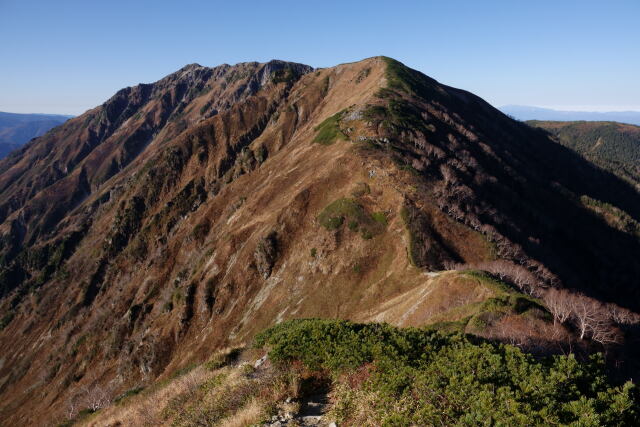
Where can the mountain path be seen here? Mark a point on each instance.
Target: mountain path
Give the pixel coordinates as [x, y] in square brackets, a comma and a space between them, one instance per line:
[311, 413]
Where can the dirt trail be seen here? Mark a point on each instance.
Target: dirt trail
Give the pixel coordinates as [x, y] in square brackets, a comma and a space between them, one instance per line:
[312, 412]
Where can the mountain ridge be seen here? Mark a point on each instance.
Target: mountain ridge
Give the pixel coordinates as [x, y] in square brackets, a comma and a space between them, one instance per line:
[611, 145]
[188, 214]
[523, 112]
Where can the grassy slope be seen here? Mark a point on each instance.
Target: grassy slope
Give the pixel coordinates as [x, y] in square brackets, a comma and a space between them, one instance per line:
[226, 390]
[475, 303]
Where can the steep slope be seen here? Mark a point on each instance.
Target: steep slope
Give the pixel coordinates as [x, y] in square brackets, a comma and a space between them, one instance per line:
[612, 146]
[186, 215]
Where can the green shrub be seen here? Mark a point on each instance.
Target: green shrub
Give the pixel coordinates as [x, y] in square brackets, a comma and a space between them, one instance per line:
[426, 377]
[614, 216]
[285, 75]
[201, 230]
[380, 217]
[363, 75]
[329, 130]
[358, 219]
[131, 392]
[184, 371]
[325, 86]
[222, 359]
[334, 214]
[205, 107]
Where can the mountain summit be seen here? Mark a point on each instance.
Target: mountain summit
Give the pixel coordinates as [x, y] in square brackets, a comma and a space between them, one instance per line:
[188, 214]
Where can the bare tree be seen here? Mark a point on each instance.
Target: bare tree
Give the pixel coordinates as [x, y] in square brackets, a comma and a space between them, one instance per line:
[448, 173]
[621, 315]
[96, 396]
[505, 270]
[593, 318]
[92, 395]
[558, 302]
[586, 313]
[72, 408]
[605, 332]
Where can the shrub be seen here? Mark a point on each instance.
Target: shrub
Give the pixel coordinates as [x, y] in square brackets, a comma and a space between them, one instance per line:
[363, 75]
[285, 75]
[223, 358]
[380, 217]
[425, 377]
[131, 392]
[358, 219]
[266, 253]
[201, 230]
[329, 130]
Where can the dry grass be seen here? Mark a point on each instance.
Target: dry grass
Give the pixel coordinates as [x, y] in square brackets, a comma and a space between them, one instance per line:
[229, 395]
[251, 413]
[146, 408]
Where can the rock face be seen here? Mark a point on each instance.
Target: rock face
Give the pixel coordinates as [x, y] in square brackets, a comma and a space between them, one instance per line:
[185, 215]
[265, 254]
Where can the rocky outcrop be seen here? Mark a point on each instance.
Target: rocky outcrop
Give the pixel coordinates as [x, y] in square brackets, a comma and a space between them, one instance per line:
[266, 254]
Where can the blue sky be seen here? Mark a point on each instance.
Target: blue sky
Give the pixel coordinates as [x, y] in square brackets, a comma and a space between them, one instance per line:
[68, 56]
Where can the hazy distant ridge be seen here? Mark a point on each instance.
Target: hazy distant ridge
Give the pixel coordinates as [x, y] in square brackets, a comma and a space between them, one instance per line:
[17, 129]
[522, 112]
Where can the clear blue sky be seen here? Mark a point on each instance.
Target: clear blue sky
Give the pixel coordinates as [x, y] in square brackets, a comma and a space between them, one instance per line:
[68, 56]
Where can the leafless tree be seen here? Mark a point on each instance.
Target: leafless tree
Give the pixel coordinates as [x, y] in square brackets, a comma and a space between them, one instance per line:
[96, 396]
[505, 270]
[92, 395]
[592, 318]
[586, 314]
[72, 408]
[559, 304]
[621, 315]
[448, 173]
[451, 265]
[605, 332]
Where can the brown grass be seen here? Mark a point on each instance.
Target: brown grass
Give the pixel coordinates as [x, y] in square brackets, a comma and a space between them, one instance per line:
[233, 395]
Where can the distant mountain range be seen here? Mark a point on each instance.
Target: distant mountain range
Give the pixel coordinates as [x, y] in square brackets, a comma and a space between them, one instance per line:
[523, 112]
[16, 129]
